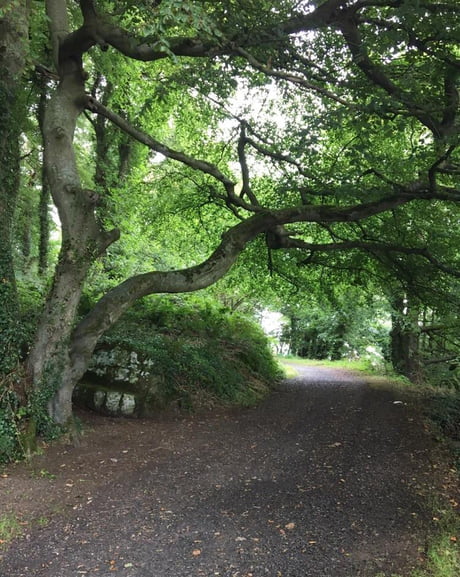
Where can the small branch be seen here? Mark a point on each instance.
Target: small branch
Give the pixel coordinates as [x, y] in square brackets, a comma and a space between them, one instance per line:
[378, 77]
[436, 328]
[278, 156]
[246, 188]
[447, 359]
[435, 167]
[293, 79]
[452, 100]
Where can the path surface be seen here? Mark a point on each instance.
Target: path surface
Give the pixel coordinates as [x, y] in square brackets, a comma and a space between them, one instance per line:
[324, 479]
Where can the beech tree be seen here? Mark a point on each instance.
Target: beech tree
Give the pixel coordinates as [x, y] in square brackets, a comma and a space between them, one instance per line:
[368, 142]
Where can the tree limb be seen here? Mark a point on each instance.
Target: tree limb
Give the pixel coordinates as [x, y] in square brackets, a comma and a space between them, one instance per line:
[117, 300]
[294, 79]
[369, 247]
[378, 77]
[194, 163]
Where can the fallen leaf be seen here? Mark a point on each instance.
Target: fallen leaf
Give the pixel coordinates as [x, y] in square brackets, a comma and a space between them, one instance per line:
[289, 526]
[196, 552]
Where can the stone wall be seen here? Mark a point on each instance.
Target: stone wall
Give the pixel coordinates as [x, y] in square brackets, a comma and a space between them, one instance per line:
[121, 382]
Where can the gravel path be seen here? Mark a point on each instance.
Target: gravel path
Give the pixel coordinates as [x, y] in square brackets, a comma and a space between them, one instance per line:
[326, 478]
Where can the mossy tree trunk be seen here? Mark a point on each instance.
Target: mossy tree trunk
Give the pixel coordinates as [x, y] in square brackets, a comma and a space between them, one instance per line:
[44, 201]
[83, 239]
[13, 48]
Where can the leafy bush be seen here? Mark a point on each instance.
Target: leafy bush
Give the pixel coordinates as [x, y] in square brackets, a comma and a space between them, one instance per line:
[201, 350]
[444, 410]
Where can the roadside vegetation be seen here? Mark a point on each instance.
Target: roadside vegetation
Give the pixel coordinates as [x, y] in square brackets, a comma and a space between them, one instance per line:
[204, 354]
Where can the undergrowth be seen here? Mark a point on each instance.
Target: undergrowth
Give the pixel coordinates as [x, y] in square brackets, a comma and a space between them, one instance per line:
[443, 553]
[203, 352]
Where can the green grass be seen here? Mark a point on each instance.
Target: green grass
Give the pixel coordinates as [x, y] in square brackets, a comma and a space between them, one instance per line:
[443, 555]
[10, 528]
[362, 365]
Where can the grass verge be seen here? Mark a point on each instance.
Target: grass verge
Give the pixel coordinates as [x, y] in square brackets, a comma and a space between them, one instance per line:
[10, 528]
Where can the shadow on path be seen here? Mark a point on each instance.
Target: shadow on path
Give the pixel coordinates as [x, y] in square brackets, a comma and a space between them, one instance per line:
[325, 478]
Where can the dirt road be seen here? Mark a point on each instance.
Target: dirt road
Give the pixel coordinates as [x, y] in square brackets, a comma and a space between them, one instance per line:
[326, 478]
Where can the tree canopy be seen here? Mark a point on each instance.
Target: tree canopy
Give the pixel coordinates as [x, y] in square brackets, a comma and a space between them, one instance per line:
[315, 140]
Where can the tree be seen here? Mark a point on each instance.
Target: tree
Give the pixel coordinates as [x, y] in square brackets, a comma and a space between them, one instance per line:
[368, 92]
[13, 51]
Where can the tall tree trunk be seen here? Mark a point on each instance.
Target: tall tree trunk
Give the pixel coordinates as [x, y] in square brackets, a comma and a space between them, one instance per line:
[13, 47]
[83, 239]
[405, 336]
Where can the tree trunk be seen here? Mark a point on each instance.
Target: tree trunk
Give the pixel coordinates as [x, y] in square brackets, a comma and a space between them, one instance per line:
[13, 46]
[83, 239]
[405, 336]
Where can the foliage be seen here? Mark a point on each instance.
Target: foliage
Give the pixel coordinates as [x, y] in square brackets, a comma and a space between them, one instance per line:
[443, 407]
[24, 417]
[319, 140]
[9, 434]
[347, 325]
[200, 349]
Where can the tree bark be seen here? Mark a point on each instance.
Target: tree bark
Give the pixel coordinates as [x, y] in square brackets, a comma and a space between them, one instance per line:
[43, 206]
[13, 49]
[405, 336]
[83, 239]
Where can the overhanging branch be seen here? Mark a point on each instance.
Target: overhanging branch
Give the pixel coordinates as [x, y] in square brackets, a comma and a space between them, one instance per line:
[233, 242]
[294, 79]
[194, 163]
[372, 247]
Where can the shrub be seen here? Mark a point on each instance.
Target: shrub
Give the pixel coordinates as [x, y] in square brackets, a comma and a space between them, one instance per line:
[200, 349]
